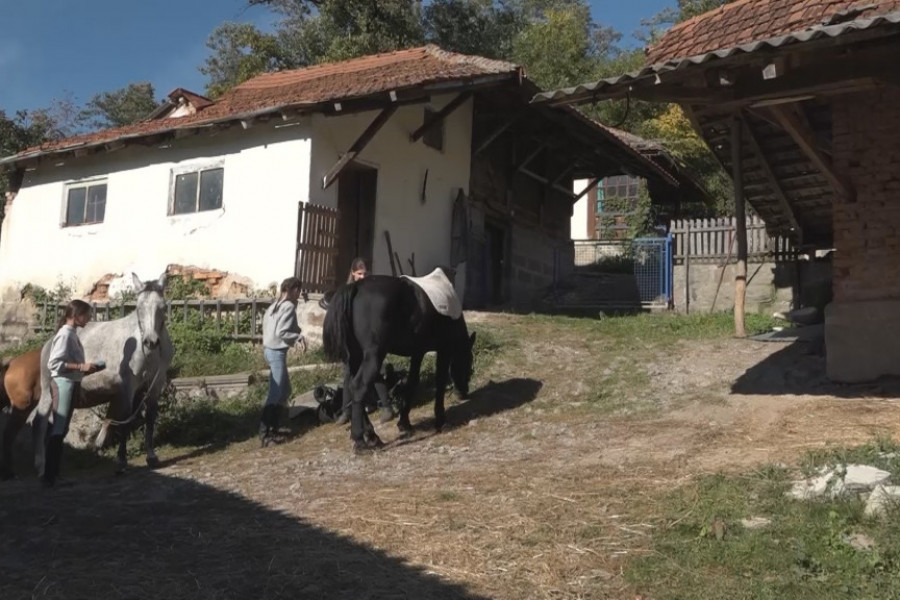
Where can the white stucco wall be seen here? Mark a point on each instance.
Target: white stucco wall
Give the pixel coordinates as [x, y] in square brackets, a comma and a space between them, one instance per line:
[414, 226]
[266, 173]
[580, 212]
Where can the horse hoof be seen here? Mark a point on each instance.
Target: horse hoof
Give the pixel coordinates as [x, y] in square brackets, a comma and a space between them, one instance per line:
[360, 448]
[153, 462]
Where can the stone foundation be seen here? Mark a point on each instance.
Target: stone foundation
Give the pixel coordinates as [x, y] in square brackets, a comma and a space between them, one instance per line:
[862, 340]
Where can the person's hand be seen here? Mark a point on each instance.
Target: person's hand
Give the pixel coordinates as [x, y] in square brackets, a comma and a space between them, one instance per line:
[303, 344]
[88, 367]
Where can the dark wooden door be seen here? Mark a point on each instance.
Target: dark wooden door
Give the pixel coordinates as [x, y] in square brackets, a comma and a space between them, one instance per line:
[357, 188]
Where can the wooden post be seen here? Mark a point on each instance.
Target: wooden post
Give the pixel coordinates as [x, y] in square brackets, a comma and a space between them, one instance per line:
[740, 229]
[687, 268]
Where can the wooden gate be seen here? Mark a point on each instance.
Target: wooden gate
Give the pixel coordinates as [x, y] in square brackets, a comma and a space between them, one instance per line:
[317, 247]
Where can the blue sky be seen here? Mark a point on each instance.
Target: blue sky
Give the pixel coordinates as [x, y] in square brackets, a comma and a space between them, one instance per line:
[56, 48]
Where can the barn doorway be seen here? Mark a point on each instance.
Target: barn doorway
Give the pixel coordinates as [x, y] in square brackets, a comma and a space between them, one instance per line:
[357, 187]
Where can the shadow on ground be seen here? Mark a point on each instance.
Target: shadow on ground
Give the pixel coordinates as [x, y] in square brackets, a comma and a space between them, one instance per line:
[799, 369]
[490, 399]
[147, 535]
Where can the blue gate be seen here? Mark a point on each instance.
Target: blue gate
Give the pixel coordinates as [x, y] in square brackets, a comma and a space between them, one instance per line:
[653, 269]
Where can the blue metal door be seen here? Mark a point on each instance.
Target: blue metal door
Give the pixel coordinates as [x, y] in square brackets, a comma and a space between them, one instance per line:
[653, 269]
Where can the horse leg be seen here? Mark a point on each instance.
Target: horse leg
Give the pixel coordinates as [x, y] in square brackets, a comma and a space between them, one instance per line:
[361, 430]
[150, 424]
[441, 375]
[17, 418]
[409, 393]
[126, 406]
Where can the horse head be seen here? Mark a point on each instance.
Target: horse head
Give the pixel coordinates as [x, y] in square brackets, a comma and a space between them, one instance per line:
[151, 309]
[461, 363]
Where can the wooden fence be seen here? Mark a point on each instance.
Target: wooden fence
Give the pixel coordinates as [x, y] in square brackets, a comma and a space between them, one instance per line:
[317, 247]
[714, 240]
[239, 319]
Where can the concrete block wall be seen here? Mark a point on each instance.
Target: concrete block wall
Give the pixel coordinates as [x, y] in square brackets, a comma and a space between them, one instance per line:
[770, 287]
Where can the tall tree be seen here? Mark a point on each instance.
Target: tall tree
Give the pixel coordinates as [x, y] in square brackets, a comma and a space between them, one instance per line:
[21, 131]
[119, 107]
[240, 51]
[479, 27]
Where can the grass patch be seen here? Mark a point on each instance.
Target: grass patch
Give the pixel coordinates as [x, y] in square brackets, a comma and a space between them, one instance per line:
[803, 553]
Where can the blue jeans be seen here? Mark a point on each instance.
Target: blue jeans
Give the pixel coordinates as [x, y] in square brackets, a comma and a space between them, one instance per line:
[279, 380]
[62, 393]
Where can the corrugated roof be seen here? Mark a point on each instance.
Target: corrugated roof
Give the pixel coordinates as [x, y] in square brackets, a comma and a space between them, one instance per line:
[308, 87]
[604, 86]
[743, 21]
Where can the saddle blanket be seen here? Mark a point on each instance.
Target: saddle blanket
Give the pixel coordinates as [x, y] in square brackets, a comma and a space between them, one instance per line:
[439, 290]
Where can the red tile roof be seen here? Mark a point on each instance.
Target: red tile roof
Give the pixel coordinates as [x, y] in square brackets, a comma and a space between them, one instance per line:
[751, 20]
[324, 83]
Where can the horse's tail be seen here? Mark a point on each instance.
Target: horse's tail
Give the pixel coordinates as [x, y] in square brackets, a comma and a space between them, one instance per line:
[4, 397]
[337, 331]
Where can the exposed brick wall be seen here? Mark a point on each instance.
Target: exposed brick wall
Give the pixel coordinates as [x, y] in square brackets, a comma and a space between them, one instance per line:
[866, 130]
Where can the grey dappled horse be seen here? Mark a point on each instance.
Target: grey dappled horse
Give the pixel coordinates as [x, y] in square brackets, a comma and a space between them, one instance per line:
[137, 351]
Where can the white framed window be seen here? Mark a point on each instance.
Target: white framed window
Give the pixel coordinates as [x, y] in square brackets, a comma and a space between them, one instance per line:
[196, 188]
[85, 203]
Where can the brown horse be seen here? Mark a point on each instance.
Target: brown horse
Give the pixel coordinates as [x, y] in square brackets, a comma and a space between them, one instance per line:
[20, 388]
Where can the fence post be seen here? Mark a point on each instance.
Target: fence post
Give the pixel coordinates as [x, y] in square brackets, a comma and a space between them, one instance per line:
[253, 319]
[687, 269]
[218, 314]
[237, 313]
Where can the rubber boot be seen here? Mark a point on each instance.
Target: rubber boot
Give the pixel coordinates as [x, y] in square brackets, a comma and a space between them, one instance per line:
[265, 425]
[52, 459]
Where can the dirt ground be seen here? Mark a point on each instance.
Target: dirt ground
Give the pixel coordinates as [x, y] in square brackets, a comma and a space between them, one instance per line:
[532, 492]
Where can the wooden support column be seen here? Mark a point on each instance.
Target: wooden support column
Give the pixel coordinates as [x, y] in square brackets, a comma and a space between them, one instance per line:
[740, 228]
[332, 174]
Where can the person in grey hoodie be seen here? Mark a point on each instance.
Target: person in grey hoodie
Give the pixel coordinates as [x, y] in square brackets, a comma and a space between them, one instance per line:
[67, 367]
[280, 332]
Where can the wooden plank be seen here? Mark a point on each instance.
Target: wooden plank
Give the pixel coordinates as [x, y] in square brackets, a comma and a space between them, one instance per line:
[772, 179]
[440, 116]
[805, 139]
[358, 146]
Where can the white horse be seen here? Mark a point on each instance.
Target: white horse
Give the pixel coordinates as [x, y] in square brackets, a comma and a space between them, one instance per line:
[137, 351]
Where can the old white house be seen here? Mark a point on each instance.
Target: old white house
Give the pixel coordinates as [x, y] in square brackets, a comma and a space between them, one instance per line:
[436, 153]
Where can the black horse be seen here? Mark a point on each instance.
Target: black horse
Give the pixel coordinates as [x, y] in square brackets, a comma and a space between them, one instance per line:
[379, 315]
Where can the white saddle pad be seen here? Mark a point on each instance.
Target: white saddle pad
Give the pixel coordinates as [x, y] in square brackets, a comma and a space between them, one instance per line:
[440, 291]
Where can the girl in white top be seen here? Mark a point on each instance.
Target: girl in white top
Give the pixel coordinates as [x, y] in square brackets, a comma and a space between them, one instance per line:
[67, 367]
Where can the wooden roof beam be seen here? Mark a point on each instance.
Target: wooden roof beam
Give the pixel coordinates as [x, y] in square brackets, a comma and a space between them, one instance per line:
[498, 132]
[358, 146]
[440, 116]
[804, 138]
[773, 181]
